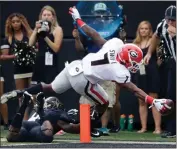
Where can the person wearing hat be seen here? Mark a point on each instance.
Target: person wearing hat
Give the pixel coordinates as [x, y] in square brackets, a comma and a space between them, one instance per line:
[100, 9]
[166, 31]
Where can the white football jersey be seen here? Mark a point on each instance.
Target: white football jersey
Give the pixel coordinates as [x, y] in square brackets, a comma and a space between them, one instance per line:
[103, 65]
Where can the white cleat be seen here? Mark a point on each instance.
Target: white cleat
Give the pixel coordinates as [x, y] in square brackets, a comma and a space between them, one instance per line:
[10, 95]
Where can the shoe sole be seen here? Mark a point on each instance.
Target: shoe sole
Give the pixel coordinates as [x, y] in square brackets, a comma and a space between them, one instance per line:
[7, 96]
[171, 136]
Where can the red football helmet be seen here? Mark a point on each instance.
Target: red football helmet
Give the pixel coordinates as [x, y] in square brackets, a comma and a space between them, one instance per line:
[131, 56]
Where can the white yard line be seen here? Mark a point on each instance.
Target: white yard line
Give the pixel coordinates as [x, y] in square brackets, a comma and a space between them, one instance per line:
[95, 141]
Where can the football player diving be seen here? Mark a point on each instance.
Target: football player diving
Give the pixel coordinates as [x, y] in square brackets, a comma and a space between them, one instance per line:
[113, 62]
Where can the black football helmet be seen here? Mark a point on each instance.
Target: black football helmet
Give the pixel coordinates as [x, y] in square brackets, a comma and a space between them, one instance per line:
[53, 103]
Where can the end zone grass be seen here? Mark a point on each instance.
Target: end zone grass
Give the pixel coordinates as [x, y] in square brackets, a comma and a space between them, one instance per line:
[121, 136]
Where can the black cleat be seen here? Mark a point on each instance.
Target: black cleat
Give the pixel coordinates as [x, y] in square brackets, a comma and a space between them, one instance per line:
[96, 133]
[40, 98]
[115, 129]
[27, 98]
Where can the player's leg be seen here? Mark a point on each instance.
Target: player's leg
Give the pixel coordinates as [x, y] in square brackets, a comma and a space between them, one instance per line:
[16, 133]
[116, 112]
[59, 85]
[96, 94]
[19, 93]
[109, 87]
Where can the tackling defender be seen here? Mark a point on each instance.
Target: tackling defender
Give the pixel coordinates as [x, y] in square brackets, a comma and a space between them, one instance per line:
[45, 122]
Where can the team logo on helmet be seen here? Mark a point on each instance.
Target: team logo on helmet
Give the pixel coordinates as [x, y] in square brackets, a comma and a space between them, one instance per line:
[133, 54]
[52, 102]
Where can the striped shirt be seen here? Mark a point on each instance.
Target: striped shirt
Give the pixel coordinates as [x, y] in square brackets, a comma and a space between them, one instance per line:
[170, 43]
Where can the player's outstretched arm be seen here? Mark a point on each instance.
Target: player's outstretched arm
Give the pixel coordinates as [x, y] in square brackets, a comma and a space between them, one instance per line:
[68, 127]
[137, 91]
[92, 33]
[164, 106]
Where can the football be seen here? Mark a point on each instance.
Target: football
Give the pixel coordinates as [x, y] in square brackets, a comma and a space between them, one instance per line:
[168, 107]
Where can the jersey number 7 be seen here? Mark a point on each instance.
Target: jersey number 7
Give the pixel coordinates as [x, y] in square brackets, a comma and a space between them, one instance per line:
[101, 61]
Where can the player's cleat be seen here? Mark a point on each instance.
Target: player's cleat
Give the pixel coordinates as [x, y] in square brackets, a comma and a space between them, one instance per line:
[96, 133]
[27, 98]
[164, 106]
[40, 100]
[10, 95]
[115, 129]
[104, 131]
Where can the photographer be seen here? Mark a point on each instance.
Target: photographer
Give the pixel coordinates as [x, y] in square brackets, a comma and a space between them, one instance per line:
[48, 34]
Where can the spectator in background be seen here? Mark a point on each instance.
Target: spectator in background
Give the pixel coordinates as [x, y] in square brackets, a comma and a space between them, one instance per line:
[17, 33]
[148, 77]
[46, 65]
[3, 107]
[166, 30]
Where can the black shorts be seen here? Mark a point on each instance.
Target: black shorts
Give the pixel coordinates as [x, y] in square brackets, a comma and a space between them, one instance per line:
[46, 74]
[150, 82]
[23, 69]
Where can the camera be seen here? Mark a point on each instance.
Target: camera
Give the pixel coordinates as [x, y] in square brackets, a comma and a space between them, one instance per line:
[45, 28]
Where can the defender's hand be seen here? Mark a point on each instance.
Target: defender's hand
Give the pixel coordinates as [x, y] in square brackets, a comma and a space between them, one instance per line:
[74, 13]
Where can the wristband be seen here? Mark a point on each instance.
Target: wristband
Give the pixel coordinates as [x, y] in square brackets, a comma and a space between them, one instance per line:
[149, 99]
[80, 23]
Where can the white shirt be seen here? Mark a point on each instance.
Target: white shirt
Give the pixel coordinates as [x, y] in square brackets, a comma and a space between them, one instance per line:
[103, 65]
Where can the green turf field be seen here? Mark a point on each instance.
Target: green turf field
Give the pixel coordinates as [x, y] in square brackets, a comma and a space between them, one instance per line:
[121, 136]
